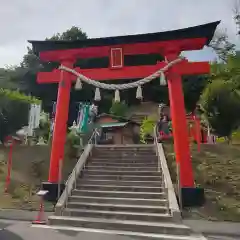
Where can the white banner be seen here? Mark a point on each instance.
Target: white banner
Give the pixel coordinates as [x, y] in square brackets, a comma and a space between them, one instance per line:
[34, 118]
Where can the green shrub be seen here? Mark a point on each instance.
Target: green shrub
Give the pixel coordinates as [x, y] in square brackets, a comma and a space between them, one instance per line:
[147, 128]
[119, 109]
[14, 111]
[220, 102]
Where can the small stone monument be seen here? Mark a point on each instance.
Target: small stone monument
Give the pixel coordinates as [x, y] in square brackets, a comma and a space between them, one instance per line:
[41, 141]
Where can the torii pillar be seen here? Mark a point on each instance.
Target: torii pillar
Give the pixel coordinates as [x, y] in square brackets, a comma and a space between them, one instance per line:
[59, 132]
[190, 194]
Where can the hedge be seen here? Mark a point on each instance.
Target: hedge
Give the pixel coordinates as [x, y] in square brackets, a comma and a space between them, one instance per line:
[14, 110]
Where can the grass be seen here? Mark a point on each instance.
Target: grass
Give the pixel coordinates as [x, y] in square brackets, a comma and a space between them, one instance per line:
[217, 170]
[30, 167]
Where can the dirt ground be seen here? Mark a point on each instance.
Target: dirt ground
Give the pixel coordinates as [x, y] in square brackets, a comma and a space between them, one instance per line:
[30, 166]
[217, 170]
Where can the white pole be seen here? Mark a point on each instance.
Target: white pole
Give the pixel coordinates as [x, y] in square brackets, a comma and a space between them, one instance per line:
[60, 177]
[30, 122]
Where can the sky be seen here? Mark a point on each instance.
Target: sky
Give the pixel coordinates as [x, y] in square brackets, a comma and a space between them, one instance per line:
[22, 20]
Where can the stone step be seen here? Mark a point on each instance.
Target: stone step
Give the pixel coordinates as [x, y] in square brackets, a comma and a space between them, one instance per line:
[123, 194]
[119, 182]
[132, 235]
[121, 153]
[125, 161]
[118, 207]
[119, 200]
[120, 156]
[88, 176]
[121, 168]
[121, 215]
[114, 155]
[122, 164]
[123, 149]
[125, 225]
[118, 188]
[121, 173]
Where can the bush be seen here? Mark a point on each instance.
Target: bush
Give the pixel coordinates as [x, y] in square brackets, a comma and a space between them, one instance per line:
[14, 111]
[44, 127]
[119, 109]
[147, 128]
[221, 105]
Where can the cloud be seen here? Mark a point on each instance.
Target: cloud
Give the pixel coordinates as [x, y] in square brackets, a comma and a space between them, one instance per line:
[36, 20]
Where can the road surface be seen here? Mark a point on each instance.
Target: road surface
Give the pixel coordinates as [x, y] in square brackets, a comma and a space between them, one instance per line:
[22, 230]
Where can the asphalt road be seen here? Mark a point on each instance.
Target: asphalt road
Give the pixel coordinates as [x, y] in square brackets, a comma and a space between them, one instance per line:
[19, 230]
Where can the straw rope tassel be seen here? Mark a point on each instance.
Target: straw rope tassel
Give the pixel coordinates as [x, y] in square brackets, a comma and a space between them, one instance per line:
[163, 79]
[78, 85]
[97, 96]
[117, 96]
[139, 94]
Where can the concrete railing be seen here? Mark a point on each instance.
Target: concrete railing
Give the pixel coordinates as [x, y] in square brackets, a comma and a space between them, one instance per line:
[172, 199]
[173, 206]
[72, 180]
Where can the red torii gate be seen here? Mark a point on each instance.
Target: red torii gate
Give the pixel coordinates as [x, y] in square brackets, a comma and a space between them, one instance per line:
[168, 44]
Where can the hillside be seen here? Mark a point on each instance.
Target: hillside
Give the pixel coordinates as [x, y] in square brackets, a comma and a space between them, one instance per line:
[217, 170]
[29, 169]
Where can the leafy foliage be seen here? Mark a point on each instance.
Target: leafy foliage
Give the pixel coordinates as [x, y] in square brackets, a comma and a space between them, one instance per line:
[44, 127]
[237, 15]
[72, 34]
[221, 105]
[31, 64]
[193, 87]
[14, 109]
[147, 128]
[221, 45]
[119, 109]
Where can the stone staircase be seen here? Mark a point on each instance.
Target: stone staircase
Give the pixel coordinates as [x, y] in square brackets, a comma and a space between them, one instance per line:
[121, 191]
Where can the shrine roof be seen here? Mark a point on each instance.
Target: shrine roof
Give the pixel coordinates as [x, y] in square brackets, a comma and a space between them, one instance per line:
[200, 31]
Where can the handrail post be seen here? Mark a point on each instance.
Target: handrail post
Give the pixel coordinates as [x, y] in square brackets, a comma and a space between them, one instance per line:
[75, 178]
[179, 187]
[167, 185]
[60, 177]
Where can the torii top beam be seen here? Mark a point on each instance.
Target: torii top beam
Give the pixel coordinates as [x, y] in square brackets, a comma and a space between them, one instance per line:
[124, 53]
[192, 38]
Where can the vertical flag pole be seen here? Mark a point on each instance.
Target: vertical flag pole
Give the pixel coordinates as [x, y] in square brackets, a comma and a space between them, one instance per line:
[8, 178]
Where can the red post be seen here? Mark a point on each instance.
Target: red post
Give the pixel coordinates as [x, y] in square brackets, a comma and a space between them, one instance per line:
[60, 123]
[40, 216]
[9, 163]
[180, 131]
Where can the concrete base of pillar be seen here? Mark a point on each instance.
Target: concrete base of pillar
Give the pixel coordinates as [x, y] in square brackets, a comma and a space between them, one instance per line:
[52, 188]
[193, 197]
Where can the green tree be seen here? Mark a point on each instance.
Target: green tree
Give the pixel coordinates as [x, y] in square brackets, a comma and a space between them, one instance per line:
[221, 45]
[237, 15]
[147, 128]
[229, 70]
[220, 102]
[31, 65]
[14, 111]
[119, 109]
[72, 34]
[193, 86]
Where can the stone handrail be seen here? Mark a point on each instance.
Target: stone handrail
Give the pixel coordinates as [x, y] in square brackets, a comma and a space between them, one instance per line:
[173, 206]
[172, 200]
[69, 186]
